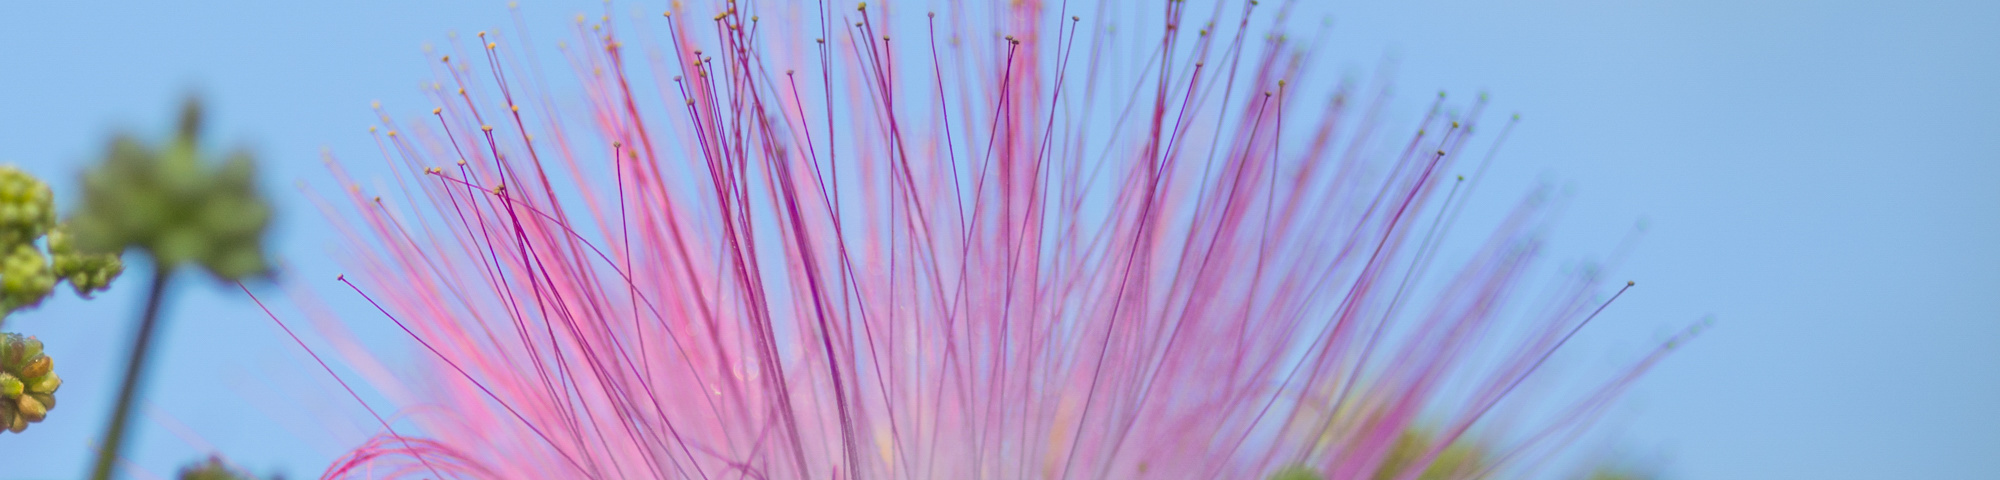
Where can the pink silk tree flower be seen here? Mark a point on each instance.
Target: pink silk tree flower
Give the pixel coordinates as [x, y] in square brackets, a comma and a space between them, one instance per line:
[790, 241]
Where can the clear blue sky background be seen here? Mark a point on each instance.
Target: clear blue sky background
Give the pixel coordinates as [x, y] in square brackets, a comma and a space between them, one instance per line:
[1822, 176]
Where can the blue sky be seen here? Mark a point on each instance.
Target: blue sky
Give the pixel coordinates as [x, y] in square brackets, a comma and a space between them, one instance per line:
[1823, 177]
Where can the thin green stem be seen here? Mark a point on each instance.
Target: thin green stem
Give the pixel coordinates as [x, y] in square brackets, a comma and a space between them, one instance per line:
[114, 435]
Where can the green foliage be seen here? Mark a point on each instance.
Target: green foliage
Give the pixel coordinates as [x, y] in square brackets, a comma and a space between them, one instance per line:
[166, 201]
[28, 382]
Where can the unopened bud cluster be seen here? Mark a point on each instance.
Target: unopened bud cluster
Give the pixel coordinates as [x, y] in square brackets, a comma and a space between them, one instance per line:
[28, 382]
[167, 202]
[24, 277]
[87, 273]
[27, 207]
[27, 213]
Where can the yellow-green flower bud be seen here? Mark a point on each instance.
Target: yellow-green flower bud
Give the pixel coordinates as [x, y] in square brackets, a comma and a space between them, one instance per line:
[47, 384]
[27, 207]
[40, 367]
[10, 417]
[25, 278]
[28, 382]
[16, 351]
[31, 408]
[88, 273]
[169, 203]
[10, 386]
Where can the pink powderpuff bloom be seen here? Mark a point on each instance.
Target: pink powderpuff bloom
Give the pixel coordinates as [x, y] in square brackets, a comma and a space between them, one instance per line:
[1019, 240]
